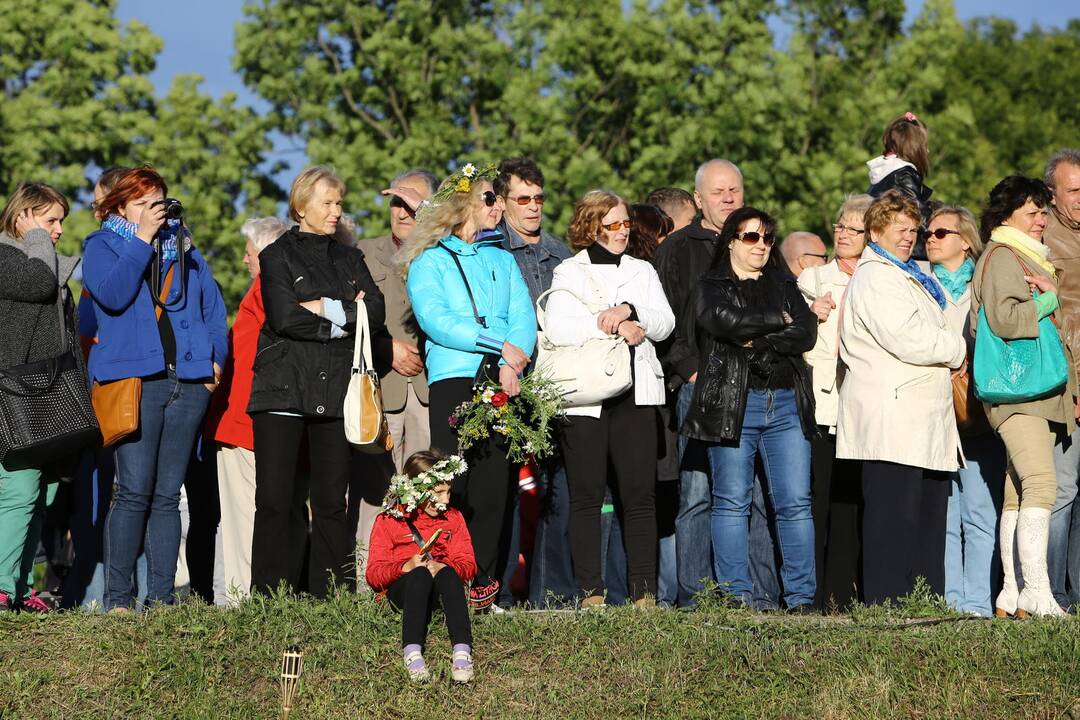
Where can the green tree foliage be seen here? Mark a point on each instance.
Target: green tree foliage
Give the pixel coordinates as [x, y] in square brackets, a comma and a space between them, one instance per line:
[634, 95]
[77, 99]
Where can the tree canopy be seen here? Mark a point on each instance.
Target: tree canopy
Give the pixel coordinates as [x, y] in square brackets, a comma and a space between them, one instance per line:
[625, 95]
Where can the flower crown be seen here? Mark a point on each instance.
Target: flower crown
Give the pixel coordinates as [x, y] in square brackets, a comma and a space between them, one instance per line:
[461, 181]
[405, 493]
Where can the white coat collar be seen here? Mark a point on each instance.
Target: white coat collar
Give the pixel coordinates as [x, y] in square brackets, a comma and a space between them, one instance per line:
[627, 269]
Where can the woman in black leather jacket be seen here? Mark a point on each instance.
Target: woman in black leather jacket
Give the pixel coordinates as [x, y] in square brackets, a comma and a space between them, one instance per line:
[311, 286]
[754, 398]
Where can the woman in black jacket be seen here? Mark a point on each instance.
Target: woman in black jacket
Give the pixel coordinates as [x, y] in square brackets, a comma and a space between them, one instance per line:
[311, 285]
[752, 398]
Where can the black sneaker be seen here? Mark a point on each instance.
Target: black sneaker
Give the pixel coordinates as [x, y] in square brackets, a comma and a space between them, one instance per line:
[806, 609]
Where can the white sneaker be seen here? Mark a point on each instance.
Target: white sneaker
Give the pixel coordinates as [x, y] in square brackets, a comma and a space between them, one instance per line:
[461, 674]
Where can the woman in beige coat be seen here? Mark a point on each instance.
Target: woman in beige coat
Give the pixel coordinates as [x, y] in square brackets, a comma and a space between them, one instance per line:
[896, 412]
[1014, 264]
[837, 494]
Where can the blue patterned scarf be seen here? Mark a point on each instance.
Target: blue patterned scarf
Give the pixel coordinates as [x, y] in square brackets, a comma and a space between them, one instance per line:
[955, 282]
[912, 268]
[170, 233]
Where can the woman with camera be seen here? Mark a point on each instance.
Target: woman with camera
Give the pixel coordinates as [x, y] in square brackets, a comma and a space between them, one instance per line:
[161, 320]
[33, 284]
[311, 288]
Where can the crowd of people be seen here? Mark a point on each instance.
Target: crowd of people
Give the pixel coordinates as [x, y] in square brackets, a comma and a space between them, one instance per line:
[804, 430]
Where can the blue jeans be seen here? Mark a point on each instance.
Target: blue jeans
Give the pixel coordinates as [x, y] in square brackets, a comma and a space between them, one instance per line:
[693, 555]
[1063, 552]
[150, 467]
[613, 554]
[971, 526]
[771, 429]
[552, 573]
[667, 578]
[763, 558]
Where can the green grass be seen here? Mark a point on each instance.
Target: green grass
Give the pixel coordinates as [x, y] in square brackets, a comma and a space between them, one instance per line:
[193, 661]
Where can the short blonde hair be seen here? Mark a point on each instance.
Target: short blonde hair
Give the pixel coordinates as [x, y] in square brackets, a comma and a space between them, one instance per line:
[883, 210]
[969, 227]
[589, 213]
[303, 187]
[33, 196]
[855, 205]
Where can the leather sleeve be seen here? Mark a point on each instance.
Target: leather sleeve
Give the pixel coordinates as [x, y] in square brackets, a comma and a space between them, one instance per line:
[798, 336]
[725, 321]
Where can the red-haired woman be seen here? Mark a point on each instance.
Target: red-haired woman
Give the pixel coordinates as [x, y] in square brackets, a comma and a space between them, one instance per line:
[177, 354]
[616, 294]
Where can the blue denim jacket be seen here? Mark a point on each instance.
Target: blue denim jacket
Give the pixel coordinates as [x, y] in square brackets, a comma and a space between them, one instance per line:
[538, 261]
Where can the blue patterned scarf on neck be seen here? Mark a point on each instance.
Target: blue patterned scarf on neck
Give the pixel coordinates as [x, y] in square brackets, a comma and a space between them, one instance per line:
[912, 268]
[171, 234]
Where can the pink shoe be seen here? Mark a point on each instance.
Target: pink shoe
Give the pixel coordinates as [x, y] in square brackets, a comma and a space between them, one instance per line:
[35, 604]
[7, 603]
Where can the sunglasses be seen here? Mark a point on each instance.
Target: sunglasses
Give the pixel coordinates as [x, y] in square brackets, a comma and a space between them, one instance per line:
[489, 198]
[613, 227]
[942, 233]
[751, 237]
[524, 200]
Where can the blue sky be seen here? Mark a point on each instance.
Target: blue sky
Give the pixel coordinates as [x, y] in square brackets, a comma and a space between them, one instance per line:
[198, 37]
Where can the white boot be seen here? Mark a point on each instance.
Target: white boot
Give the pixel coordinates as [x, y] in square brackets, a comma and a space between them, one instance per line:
[1032, 535]
[1005, 605]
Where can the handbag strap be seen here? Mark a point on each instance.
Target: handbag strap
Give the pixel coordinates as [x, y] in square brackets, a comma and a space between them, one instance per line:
[417, 537]
[159, 307]
[361, 361]
[480, 319]
[1023, 266]
[541, 314]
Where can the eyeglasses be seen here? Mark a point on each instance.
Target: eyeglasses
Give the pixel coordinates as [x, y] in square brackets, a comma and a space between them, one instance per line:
[942, 233]
[489, 198]
[842, 228]
[613, 227]
[524, 200]
[752, 237]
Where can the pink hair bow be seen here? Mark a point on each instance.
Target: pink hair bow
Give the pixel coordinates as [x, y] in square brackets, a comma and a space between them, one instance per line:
[910, 117]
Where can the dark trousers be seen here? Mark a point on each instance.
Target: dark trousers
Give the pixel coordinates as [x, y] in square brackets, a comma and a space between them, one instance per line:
[280, 534]
[837, 493]
[415, 594]
[483, 493]
[625, 434]
[903, 529]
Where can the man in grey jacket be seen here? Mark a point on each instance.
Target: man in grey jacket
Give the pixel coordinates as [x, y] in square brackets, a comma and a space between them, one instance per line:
[520, 184]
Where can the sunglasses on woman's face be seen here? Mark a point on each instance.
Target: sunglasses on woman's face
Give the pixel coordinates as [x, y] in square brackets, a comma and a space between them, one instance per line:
[489, 198]
[614, 227]
[751, 237]
[942, 233]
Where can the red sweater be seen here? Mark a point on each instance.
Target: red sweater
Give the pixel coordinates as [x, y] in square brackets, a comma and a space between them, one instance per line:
[392, 545]
[227, 420]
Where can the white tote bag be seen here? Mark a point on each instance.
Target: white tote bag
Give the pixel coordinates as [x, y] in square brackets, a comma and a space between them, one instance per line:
[589, 373]
[365, 422]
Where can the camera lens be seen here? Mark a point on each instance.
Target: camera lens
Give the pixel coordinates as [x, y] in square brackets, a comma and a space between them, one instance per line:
[173, 209]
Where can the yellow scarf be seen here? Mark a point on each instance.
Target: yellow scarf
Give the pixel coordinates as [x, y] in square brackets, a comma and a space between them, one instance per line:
[1026, 245]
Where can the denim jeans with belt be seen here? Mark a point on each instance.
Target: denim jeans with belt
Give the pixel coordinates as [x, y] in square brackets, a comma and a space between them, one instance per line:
[150, 467]
[771, 429]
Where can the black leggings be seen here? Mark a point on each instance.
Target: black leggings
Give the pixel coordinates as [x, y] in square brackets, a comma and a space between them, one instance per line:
[625, 434]
[483, 494]
[414, 594]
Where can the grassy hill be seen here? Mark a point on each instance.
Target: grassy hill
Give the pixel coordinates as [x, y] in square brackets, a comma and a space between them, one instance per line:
[194, 661]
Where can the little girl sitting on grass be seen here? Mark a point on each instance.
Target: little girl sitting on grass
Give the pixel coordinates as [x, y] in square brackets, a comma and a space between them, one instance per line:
[420, 550]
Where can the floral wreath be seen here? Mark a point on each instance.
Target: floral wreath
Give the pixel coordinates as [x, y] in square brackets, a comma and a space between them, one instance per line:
[461, 181]
[406, 494]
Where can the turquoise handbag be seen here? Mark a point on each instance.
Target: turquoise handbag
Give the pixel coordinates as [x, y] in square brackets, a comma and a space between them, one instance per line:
[1008, 372]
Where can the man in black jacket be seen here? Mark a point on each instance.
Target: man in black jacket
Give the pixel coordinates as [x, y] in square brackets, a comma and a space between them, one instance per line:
[680, 260]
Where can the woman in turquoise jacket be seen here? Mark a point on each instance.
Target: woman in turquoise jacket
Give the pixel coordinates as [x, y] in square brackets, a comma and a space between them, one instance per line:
[474, 308]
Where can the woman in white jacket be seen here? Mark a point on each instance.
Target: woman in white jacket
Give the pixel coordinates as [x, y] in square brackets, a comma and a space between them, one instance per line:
[896, 411]
[837, 494]
[615, 294]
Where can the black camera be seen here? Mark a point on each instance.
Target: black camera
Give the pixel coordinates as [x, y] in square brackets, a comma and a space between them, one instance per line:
[173, 209]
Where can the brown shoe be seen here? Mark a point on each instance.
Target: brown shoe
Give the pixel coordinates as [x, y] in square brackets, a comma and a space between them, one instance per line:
[592, 601]
[645, 603]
